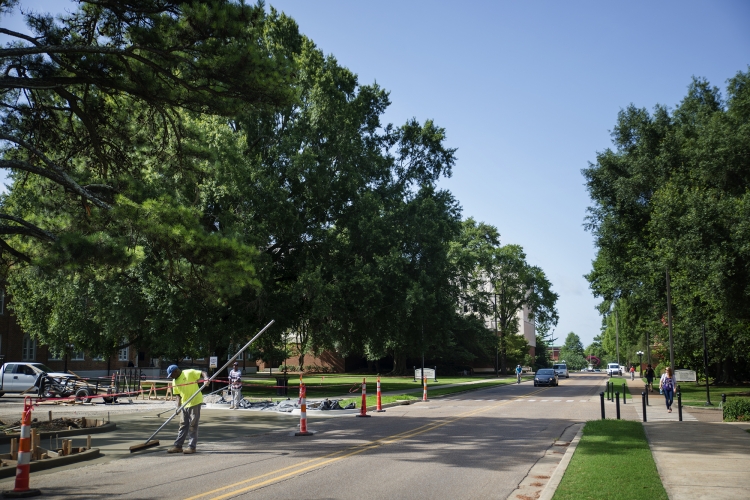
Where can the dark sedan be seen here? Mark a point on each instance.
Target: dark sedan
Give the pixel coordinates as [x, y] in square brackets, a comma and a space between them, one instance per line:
[545, 376]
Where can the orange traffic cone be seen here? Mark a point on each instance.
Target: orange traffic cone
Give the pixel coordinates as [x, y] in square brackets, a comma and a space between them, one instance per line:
[380, 403]
[22, 489]
[303, 412]
[363, 408]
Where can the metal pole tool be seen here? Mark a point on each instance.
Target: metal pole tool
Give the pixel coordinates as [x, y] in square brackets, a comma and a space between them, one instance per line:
[149, 443]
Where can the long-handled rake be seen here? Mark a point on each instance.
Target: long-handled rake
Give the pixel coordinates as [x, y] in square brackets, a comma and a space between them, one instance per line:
[150, 443]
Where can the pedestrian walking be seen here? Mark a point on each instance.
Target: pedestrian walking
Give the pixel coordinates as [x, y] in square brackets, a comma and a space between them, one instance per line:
[632, 372]
[185, 385]
[235, 386]
[666, 385]
[650, 378]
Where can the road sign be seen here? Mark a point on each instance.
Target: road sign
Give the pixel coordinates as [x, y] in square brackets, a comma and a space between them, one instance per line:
[213, 361]
[428, 372]
[684, 376]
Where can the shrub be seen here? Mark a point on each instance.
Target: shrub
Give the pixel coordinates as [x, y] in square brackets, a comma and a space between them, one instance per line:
[737, 410]
[318, 369]
[289, 368]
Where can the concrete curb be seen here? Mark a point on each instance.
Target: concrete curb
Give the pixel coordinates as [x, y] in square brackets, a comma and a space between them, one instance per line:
[5, 439]
[50, 463]
[549, 490]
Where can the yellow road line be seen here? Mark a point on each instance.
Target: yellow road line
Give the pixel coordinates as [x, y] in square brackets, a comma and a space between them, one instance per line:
[354, 450]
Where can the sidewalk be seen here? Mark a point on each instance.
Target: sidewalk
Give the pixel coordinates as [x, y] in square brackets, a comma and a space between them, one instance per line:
[695, 459]
[700, 460]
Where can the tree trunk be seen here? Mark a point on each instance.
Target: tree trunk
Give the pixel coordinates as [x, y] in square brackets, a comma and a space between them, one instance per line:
[397, 368]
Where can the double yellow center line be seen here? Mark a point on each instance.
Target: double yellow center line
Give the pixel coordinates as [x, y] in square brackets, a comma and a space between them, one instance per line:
[293, 470]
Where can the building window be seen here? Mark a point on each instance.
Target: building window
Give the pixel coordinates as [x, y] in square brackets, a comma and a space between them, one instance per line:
[77, 356]
[123, 354]
[28, 352]
[54, 356]
[233, 349]
[98, 357]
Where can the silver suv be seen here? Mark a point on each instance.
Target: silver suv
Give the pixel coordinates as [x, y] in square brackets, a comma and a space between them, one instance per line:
[561, 370]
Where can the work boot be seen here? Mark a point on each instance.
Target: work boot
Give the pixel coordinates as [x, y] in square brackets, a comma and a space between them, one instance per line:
[174, 449]
[189, 451]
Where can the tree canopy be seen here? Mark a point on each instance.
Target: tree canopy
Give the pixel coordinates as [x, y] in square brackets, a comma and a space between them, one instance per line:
[183, 172]
[674, 194]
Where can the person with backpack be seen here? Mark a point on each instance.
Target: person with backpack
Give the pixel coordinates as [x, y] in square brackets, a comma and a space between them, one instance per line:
[650, 375]
[518, 374]
[666, 386]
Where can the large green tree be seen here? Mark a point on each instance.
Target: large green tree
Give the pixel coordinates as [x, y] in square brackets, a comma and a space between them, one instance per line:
[109, 238]
[673, 195]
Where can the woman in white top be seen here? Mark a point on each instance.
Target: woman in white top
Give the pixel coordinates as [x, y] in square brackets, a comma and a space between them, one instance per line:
[666, 384]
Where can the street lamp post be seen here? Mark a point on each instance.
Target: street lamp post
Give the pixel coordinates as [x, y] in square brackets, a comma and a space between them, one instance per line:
[640, 362]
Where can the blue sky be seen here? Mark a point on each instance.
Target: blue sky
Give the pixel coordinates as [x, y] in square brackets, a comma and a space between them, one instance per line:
[528, 92]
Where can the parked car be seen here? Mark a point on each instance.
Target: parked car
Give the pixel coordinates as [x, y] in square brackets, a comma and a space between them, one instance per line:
[22, 376]
[561, 370]
[613, 369]
[546, 376]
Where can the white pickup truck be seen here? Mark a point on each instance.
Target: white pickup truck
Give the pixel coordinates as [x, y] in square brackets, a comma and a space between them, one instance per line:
[21, 376]
[613, 369]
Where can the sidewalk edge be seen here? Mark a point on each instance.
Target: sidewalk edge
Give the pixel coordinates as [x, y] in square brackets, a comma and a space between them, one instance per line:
[549, 490]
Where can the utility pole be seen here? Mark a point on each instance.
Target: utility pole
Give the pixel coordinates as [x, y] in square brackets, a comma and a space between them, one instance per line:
[422, 349]
[705, 367]
[497, 347]
[617, 336]
[669, 323]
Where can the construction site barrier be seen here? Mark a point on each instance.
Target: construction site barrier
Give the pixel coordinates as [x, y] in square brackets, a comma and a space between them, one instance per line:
[424, 390]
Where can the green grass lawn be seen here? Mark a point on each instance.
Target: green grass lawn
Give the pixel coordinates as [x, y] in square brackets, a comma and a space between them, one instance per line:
[612, 461]
[330, 386]
[621, 386]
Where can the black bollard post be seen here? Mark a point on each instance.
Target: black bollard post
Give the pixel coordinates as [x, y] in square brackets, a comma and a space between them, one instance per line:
[643, 402]
[723, 398]
[601, 399]
[609, 398]
[617, 403]
[679, 405]
[624, 395]
[646, 393]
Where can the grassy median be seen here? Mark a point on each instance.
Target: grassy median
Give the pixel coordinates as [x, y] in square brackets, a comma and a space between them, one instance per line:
[612, 461]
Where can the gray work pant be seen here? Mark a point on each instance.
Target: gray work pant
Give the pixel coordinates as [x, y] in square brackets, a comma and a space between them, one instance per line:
[189, 418]
[236, 397]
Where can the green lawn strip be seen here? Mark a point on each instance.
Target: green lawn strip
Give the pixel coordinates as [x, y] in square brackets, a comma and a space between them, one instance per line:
[621, 386]
[612, 460]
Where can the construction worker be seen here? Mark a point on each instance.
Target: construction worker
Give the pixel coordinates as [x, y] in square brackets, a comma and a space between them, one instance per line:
[185, 385]
[235, 385]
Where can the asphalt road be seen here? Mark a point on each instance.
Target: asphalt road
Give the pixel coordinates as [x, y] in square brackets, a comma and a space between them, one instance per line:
[475, 445]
